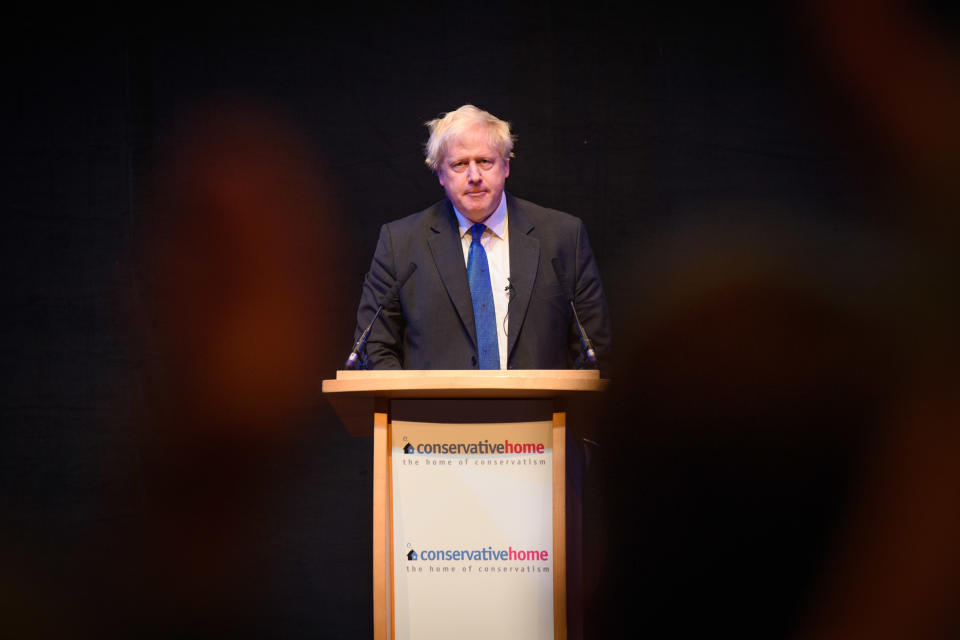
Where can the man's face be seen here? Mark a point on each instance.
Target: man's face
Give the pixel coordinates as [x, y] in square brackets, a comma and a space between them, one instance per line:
[473, 174]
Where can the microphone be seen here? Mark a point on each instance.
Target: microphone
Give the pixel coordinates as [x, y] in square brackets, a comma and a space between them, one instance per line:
[588, 350]
[354, 358]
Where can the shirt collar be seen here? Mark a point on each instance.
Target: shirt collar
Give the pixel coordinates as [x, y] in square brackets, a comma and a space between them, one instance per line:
[497, 222]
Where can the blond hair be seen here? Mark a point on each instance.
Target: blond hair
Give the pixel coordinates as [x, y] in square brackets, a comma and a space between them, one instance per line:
[451, 124]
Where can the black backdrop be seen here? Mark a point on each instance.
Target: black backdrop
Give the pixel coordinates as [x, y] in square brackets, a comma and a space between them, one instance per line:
[745, 205]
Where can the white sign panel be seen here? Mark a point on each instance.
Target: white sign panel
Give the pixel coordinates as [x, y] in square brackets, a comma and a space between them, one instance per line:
[472, 530]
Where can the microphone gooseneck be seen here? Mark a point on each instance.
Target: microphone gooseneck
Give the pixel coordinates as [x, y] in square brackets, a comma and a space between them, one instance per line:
[588, 351]
[353, 360]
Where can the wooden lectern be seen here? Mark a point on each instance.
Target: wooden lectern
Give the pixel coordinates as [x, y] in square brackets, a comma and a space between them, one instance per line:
[378, 399]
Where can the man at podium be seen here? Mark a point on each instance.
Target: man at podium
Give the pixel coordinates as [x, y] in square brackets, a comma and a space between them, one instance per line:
[481, 279]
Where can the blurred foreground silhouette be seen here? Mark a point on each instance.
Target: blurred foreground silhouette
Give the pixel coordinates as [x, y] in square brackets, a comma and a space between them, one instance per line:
[234, 250]
[782, 443]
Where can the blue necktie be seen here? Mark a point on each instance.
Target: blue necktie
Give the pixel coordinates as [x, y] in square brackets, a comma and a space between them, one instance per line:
[484, 315]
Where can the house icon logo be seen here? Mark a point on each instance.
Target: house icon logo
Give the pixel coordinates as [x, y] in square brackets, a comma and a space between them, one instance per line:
[411, 555]
[408, 448]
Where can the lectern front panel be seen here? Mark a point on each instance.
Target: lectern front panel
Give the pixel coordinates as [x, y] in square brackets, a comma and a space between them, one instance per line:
[472, 519]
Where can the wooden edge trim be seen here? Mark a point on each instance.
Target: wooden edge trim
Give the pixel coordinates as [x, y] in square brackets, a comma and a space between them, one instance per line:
[381, 443]
[391, 615]
[559, 526]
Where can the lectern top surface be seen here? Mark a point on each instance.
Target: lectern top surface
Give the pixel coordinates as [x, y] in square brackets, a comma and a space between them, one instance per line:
[529, 382]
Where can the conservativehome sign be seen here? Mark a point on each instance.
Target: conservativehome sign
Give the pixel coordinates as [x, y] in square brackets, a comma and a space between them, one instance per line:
[472, 530]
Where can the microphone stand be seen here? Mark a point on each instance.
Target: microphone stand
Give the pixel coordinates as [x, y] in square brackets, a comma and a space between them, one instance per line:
[358, 355]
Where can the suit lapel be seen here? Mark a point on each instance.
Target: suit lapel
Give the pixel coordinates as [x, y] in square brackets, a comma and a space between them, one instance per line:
[447, 251]
[524, 260]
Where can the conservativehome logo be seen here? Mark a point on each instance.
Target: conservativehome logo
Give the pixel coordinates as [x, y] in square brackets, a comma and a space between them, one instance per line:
[483, 554]
[486, 560]
[481, 447]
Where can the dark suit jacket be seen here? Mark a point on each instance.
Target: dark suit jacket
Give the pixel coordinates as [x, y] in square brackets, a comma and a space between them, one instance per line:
[430, 324]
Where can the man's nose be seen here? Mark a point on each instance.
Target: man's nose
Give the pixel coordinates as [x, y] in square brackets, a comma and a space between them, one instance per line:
[473, 172]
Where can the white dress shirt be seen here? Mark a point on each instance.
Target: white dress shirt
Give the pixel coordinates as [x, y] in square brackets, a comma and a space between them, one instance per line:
[496, 243]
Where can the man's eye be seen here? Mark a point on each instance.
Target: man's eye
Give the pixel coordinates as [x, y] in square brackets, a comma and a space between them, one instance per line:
[486, 164]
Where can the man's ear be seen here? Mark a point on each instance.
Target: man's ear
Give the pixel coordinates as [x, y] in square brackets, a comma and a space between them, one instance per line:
[440, 176]
[506, 167]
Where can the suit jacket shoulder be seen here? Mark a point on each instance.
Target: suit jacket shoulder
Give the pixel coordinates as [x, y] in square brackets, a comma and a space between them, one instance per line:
[546, 220]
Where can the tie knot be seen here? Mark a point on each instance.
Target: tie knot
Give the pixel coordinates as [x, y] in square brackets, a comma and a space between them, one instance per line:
[477, 231]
